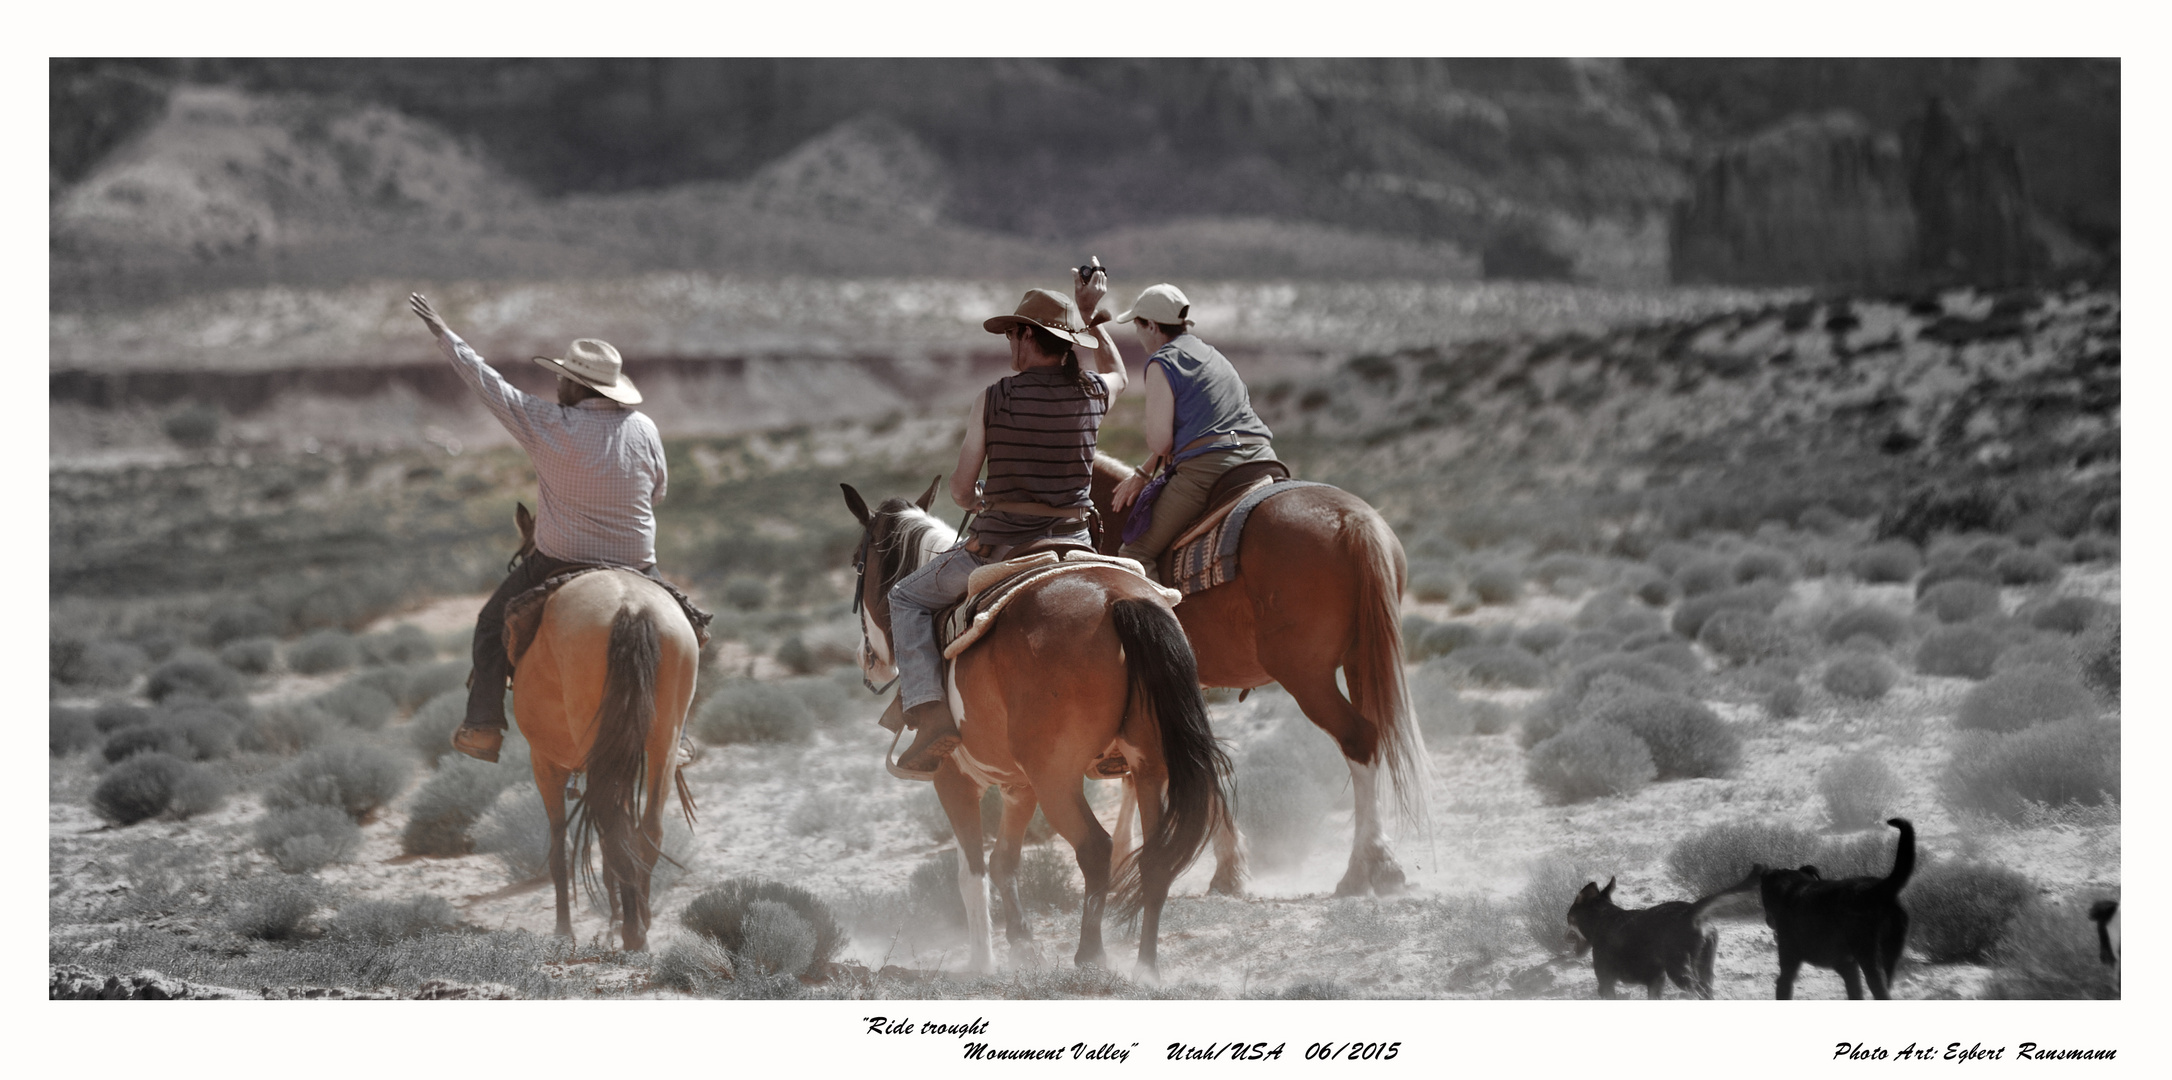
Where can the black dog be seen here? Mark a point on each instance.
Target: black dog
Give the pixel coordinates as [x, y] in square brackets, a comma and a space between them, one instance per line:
[1854, 925]
[1647, 946]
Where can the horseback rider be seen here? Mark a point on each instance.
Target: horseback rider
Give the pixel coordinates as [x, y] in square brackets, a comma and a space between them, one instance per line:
[600, 472]
[1035, 431]
[1199, 424]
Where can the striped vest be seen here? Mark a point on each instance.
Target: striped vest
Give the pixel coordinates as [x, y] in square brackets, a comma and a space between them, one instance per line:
[1040, 428]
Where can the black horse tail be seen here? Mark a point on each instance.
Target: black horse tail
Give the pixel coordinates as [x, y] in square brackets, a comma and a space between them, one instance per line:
[1904, 859]
[611, 807]
[1164, 679]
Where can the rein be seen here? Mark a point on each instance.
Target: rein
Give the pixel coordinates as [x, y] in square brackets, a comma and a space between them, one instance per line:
[889, 551]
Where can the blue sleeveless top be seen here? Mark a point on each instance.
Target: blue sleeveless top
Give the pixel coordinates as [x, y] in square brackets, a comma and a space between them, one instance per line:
[1210, 397]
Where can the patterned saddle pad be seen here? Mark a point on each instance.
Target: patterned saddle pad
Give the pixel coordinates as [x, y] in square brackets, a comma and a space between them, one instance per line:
[1206, 556]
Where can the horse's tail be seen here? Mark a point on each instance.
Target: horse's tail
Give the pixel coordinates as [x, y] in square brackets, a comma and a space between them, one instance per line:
[1164, 680]
[611, 806]
[1373, 668]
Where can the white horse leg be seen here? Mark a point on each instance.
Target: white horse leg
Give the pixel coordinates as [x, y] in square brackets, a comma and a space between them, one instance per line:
[1127, 820]
[1372, 867]
[979, 927]
[1228, 860]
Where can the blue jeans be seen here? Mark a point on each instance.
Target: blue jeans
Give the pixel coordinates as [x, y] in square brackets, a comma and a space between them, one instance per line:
[913, 603]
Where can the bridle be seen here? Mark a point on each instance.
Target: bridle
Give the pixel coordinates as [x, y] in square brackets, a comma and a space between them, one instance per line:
[859, 591]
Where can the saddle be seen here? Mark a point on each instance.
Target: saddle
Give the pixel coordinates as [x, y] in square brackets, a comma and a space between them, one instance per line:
[1206, 554]
[524, 613]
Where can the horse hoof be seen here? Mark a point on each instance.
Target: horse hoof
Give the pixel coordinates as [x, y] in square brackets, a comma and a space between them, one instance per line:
[1225, 887]
[1146, 974]
[1353, 884]
[1388, 880]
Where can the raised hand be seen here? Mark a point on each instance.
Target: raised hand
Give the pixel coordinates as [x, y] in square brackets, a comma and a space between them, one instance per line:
[1089, 289]
[420, 305]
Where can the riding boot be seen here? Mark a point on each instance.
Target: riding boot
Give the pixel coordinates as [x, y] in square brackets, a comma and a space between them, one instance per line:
[935, 735]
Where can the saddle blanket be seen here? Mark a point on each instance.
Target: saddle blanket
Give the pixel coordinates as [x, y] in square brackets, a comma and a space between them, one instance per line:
[524, 613]
[1202, 560]
[991, 587]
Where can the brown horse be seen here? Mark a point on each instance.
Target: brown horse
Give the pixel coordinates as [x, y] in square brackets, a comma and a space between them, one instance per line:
[1319, 587]
[603, 691]
[1074, 664]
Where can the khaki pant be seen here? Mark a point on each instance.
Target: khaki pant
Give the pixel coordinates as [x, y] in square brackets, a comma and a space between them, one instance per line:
[1185, 496]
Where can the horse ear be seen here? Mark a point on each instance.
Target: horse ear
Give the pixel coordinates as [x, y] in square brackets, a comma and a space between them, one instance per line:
[1609, 890]
[525, 521]
[857, 504]
[927, 498]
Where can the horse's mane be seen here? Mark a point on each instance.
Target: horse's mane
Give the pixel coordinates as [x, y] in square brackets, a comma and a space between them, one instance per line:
[914, 536]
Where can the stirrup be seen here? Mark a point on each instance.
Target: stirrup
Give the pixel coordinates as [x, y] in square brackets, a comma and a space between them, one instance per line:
[889, 761]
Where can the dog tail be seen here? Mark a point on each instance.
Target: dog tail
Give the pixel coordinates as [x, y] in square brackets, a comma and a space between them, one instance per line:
[1904, 859]
[1749, 881]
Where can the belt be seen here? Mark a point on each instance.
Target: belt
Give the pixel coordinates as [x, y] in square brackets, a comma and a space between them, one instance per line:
[1027, 509]
[1212, 437]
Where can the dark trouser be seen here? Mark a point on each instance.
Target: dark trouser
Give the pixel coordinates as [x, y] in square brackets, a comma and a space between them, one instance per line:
[491, 667]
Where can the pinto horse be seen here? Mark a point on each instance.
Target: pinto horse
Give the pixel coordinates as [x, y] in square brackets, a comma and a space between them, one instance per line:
[1074, 664]
[603, 690]
[1319, 587]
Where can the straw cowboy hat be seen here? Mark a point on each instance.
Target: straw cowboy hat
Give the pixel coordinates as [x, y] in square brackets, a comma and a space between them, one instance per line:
[1052, 312]
[595, 364]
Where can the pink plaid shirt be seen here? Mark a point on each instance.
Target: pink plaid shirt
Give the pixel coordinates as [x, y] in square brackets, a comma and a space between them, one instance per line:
[599, 465]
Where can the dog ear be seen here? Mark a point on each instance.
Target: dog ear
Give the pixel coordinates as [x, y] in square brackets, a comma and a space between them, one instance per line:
[1808, 871]
[1609, 890]
[927, 498]
[858, 505]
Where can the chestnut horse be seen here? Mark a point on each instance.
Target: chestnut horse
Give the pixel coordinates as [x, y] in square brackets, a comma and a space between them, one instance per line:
[1073, 664]
[1319, 587]
[603, 690]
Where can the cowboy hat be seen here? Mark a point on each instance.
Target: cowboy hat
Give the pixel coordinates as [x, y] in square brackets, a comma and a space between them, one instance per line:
[1052, 312]
[595, 364]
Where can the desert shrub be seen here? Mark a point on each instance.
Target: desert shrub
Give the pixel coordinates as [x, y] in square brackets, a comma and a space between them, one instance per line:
[2026, 568]
[429, 732]
[358, 704]
[2041, 651]
[1561, 570]
[1706, 575]
[931, 893]
[1959, 601]
[1585, 645]
[2096, 547]
[1440, 639]
[1655, 591]
[746, 592]
[100, 664]
[2070, 762]
[250, 656]
[72, 730]
[1958, 911]
[822, 813]
[1950, 570]
[303, 838]
[732, 915]
[1685, 738]
[1887, 562]
[1496, 584]
[352, 777]
[111, 716]
[1721, 856]
[1784, 701]
[272, 908]
[2049, 951]
[1689, 618]
[1542, 638]
[1882, 623]
[1433, 586]
[235, 620]
[138, 788]
[1588, 761]
[1046, 880]
[2014, 699]
[419, 683]
[1745, 637]
[321, 651]
[209, 732]
[1442, 713]
[1542, 905]
[1667, 653]
[1967, 651]
[745, 711]
[700, 966]
[1499, 665]
[199, 790]
[517, 831]
[1863, 678]
[1638, 670]
[405, 643]
[143, 739]
[1762, 564]
[1860, 790]
[192, 674]
[1600, 609]
[2100, 663]
[382, 922]
[446, 809]
[777, 940]
[1867, 853]
[2073, 614]
[1286, 783]
[1821, 518]
[290, 727]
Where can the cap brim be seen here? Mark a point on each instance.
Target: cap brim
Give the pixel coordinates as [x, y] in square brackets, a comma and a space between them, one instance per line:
[622, 391]
[1002, 324]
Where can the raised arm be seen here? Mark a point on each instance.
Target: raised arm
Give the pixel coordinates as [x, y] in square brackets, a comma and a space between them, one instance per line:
[522, 413]
[1089, 291]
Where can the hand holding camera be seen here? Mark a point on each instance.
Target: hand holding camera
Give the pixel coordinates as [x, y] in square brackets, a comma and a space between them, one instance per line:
[1091, 286]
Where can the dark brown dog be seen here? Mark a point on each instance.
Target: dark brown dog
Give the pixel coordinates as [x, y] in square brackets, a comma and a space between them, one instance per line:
[1855, 926]
[1647, 946]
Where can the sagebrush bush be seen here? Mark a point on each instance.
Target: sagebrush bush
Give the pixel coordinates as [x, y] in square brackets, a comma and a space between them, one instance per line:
[1882, 623]
[1785, 701]
[1957, 569]
[1703, 576]
[1860, 678]
[1887, 562]
[405, 643]
[101, 664]
[304, 838]
[1762, 564]
[2026, 568]
[272, 908]
[2100, 663]
[2096, 547]
[1641, 671]
[822, 813]
[72, 731]
[1496, 584]
[1745, 637]
[517, 830]
[1562, 572]
[1284, 788]
[1542, 905]
[1959, 601]
[1440, 639]
[1958, 911]
[2050, 951]
[1655, 591]
[429, 732]
[2073, 615]
[746, 592]
[1860, 791]
[192, 674]
[1600, 609]
[352, 777]
[778, 941]
[291, 727]
[2043, 651]
[250, 656]
[1965, 651]
[727, 913]
[699, 966]
[1048, 880]
[1540, 639]
[932, 899]
[1498, 665]
[1588, 761]
[143, 739]
[138, 788]
[2017, 698]
[444, 812]
[382, 922]
[1432, 586]
[745, 711]
[1442, 713]
[2074, 762]
[418, 683]
[1685, 738]
[357, 703]
[321, 651]
[199, 790]
[237, 619]
[1689, 618]
[1715, 858]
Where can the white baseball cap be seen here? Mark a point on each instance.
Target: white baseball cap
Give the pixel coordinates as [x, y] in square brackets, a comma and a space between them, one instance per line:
[1162, 303]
